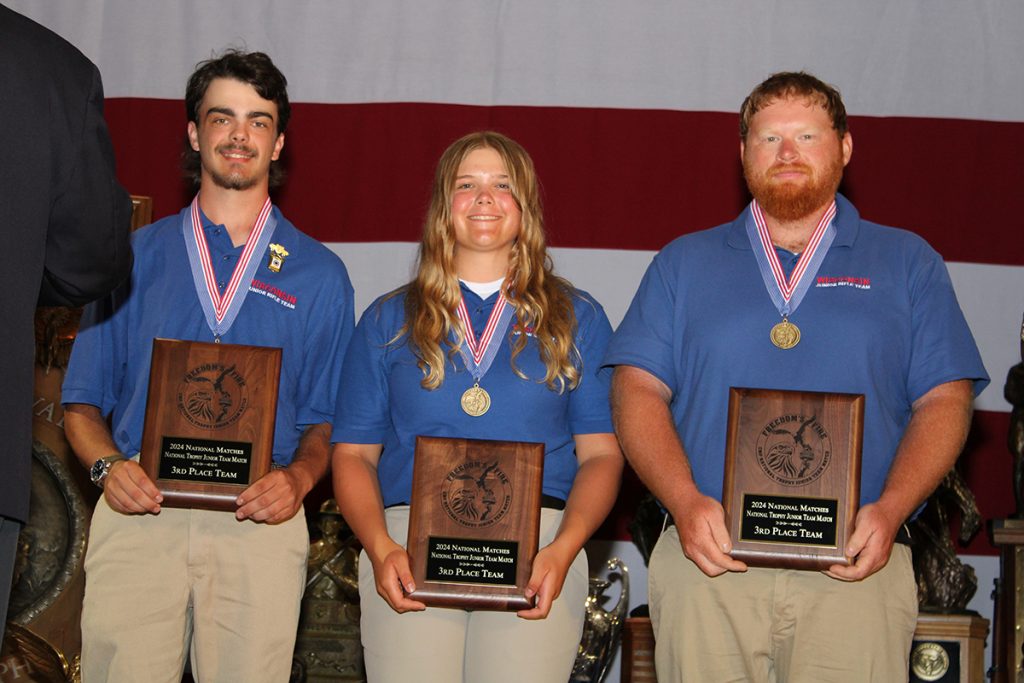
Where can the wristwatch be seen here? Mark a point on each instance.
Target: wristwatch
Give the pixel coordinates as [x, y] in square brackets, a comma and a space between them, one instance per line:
[101, 468]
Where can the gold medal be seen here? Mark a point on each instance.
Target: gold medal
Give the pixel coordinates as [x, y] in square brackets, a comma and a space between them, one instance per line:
[785, 335]
[476, 401]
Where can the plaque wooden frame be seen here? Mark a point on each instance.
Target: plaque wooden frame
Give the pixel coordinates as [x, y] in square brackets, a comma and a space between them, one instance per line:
[475, 512]
[209, 426]
[792, 476]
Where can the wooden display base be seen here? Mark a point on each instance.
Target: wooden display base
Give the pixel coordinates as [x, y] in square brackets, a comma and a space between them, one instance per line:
[638, 651]
[948, 648]
[1008, 632]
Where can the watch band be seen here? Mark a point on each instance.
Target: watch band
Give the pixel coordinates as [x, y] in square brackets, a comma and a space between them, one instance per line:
[101, 468]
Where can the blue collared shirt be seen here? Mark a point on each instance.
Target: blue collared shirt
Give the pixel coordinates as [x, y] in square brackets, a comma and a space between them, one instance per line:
[382, 401]
[880, 319]
[306, 309]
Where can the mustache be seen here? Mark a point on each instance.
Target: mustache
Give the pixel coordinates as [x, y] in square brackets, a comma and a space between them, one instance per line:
[787, 168]
[236, 149]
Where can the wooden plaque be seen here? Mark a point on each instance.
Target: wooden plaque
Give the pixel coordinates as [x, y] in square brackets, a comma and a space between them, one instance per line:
[792, 476]
[474, 522]
[209, 430]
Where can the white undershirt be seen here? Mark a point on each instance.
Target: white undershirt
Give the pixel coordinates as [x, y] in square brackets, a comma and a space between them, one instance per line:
[483, 289]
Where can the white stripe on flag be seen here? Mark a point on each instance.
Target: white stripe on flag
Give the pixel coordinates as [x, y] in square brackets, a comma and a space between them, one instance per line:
[911, 58]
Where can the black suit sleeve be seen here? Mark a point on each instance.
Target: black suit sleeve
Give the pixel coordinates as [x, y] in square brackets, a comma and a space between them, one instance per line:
[87, 252]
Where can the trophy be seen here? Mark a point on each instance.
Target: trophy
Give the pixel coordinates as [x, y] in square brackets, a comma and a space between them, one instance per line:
[209, 429]
[792, 476]
[474, 522]
[602, 629]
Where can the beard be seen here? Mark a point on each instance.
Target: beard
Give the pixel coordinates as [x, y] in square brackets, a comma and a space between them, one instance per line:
[232, 180]
[789, 201]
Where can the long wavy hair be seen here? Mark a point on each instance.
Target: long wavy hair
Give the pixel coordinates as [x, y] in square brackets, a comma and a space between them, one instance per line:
[542, 301]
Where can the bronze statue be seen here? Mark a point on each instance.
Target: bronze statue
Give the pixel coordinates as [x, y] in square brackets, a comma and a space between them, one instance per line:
[332, 572]
[944, 583]
[327, 648]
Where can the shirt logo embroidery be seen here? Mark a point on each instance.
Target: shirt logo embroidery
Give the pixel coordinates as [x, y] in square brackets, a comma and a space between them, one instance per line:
[273, 293]
[846, 281]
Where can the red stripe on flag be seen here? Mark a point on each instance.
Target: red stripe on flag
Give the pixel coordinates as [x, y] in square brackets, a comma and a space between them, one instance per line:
[987, 466]
[611, 178]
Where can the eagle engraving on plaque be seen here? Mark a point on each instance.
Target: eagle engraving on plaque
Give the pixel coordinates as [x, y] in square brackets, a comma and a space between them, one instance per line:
[476, 494]
[794, 449]
[212, 396]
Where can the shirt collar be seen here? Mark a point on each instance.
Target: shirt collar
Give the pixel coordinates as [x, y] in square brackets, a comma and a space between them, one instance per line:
[469, 295]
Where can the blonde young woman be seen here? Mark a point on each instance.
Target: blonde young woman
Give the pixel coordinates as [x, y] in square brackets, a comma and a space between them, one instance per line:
[482, 254]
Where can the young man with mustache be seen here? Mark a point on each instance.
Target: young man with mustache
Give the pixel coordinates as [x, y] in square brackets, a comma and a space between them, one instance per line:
[797, 293]
[229, 268]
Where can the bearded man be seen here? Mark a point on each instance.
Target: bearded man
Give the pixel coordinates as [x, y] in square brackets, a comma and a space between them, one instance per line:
[797, 293]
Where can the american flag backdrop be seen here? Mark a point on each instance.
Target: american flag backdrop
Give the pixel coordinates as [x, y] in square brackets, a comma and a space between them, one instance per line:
[629, 110]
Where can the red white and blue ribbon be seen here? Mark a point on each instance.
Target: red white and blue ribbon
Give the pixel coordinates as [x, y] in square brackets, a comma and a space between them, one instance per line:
[787, 293]
[479, 354]
[222, 309]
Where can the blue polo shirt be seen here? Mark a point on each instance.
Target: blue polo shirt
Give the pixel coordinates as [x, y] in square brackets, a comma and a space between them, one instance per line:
[306, 309]
[382, 401]
[880, 319]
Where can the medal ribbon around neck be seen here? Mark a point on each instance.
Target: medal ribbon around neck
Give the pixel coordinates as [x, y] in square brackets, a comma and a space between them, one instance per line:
[221, 310]
[787, 294]
[478, 356]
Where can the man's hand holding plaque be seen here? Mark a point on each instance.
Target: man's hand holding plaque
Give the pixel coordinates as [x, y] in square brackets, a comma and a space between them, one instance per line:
[703, 534]
[129, 491]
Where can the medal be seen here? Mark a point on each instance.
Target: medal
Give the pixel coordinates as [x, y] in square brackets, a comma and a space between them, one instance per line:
[478, 355]
[787, 293]
[785, 335]
[476, 401]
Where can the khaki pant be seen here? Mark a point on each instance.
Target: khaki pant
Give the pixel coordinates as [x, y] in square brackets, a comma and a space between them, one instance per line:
[779, 625]
[450, 645]
[155, 582]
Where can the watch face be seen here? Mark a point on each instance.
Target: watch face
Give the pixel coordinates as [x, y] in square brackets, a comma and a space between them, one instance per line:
[98, 469]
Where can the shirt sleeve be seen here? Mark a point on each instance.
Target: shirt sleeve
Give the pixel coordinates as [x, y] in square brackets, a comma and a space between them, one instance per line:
[589, 407]
[363, 395]
[644, 338]
[96, 369]
[943, 348]
[325, 349]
